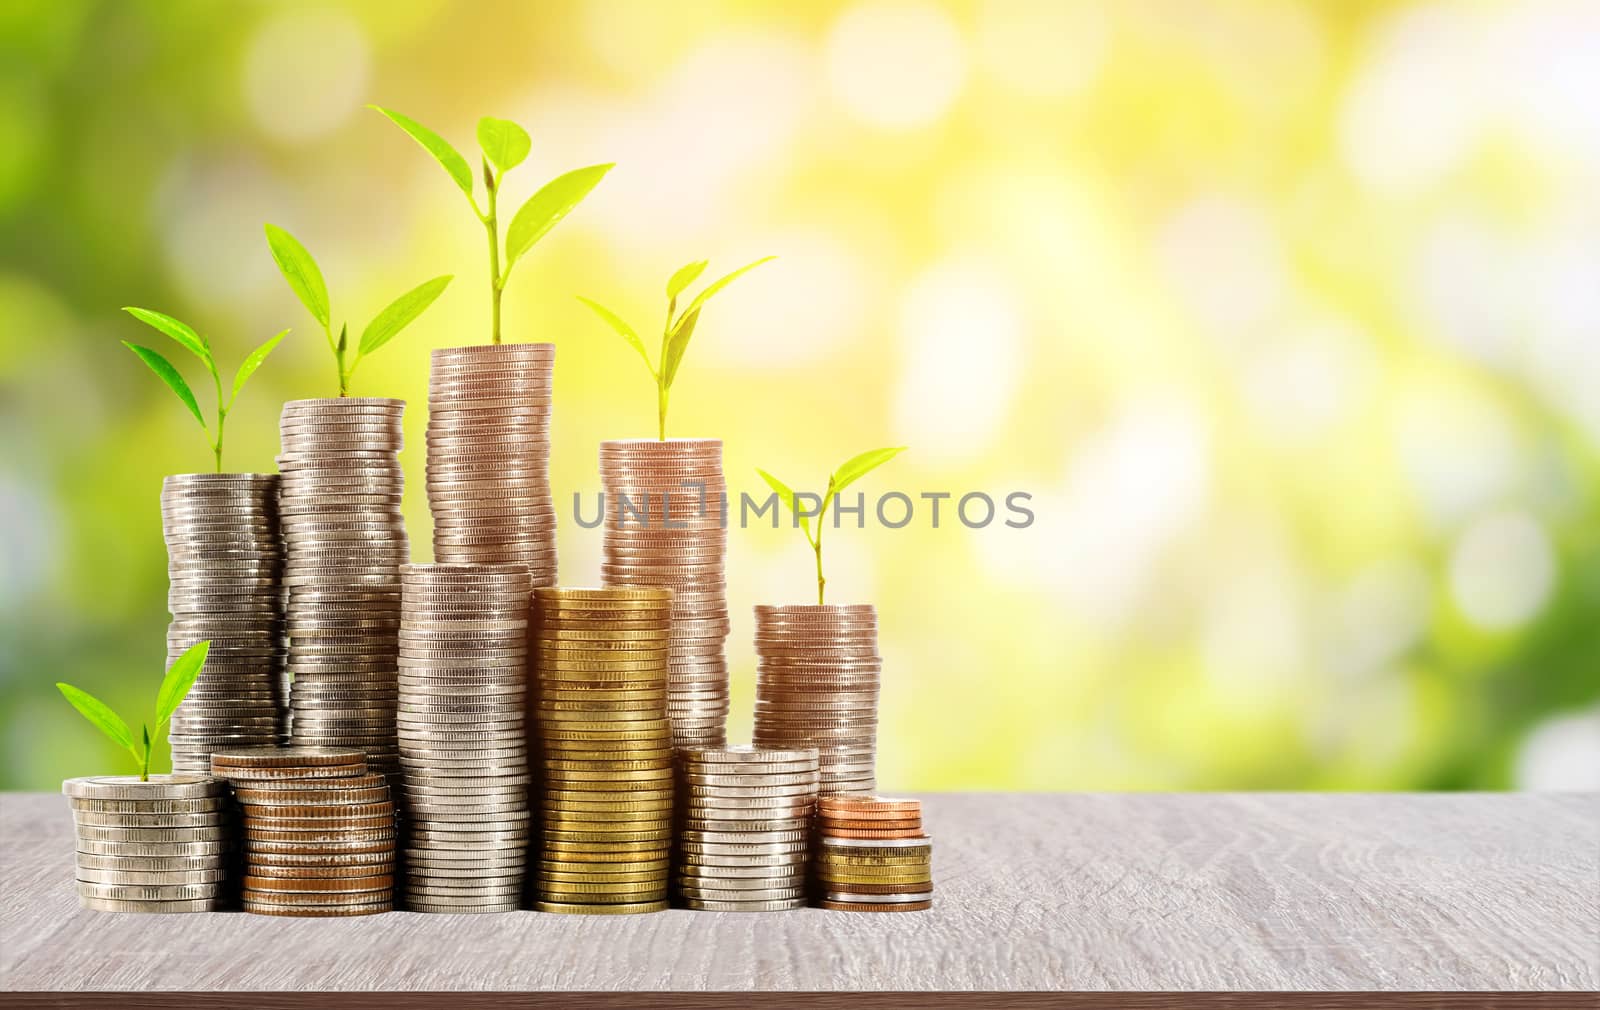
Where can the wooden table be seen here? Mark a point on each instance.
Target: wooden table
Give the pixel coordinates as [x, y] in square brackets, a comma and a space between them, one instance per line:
[1252, 892]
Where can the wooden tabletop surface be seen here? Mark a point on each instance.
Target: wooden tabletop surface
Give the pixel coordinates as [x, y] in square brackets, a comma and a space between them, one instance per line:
[1033, 892]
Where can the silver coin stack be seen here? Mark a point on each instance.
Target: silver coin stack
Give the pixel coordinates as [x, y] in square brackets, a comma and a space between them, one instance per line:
[155, 846]
[664, 507]
[345, 541]
[743, 838]
[463, 686]
[225, 569]
[817, 678]
[489, 457]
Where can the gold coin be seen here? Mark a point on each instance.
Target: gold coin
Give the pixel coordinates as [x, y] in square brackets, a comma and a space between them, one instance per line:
[564, 908]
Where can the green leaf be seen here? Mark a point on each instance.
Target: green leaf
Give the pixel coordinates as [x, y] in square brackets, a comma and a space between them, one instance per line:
[622, 328]
[180, 677]
[163, 368]
[856, 467]
[506, 143]
[249, 365]
[786, 496]
[545, 209]
[705, 296]
[97, 712]
[676, 346]
[401, 313]
[301, 271]
[179, 331]
[684, 277]
[442, 152]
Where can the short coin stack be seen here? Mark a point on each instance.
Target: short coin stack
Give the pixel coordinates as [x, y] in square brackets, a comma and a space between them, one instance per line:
[746, 815]
[319, 830]
[664, 503]
[873, 855]
[345, 542]
[463, 701]
[225, 567]
[155, 846]
[817, 678]
[605, 749]
[489, 457]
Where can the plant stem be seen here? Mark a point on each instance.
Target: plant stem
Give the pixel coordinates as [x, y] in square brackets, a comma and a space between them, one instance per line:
[661, 412]
[816, 545]
[222, 417]
[491, 225]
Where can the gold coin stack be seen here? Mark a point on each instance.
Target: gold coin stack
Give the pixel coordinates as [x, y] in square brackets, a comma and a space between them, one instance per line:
[873, 855]
[489, 457]
[817, 676]
[319, 830]
[158, 845]
[606, 749]
[664, 505]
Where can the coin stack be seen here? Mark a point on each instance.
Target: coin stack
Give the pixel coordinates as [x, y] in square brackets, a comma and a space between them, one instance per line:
[605, 749]
[319, 830]
[665, 504]
[746, 816]
[151, 846]
[225, 566]
[463, 688]
[817, 686]
[873, 855]
[489, 457]
[345, 542]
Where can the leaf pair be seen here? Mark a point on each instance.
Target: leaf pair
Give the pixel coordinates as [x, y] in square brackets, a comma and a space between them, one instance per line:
[850, 471]
[180, 677]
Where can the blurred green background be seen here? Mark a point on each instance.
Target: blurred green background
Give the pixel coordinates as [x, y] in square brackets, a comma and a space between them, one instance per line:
[1287, 315]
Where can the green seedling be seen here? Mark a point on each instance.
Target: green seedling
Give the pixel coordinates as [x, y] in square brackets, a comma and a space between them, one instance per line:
[850, 471]
[505, 145]
[675, 332]
[190, 340]
[305, 280]
[175, 686]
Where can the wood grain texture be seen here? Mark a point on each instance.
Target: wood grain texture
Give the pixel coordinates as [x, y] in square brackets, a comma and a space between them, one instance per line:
[1034, 892]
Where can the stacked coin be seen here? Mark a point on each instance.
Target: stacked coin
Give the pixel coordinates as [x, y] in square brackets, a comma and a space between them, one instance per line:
[873, 855]
[319, 830]
[225, 566]
[744, 830]
[605, 749]
[665, 505]
[463, 687]
[345, 542]
[489, 457]
[152, 846]
[817, 686]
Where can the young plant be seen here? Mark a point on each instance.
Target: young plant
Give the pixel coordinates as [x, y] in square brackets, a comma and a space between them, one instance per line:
[190, 340]
[174, 688]
[675, 332]
[305, 280]
[850, 471]
[505, 145]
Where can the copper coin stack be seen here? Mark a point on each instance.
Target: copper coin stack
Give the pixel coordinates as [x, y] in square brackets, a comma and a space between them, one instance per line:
[345, 541]
[319, 830]
[742, 843]
[489, 457]
[873, 855]
[225, 570]
[817, 676]
[463, 701]
[605, 750]
[664, 507]
[159, 845]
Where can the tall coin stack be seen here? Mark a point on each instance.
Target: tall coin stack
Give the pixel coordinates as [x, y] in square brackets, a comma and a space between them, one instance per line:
[225, 569]
[745, 830]
[664, 508]
[319, 830]
[605, 750]
[154, 846]
[345, 542]
[817, 675]
[873, 855]
[489, 457]
[463, 701]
